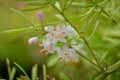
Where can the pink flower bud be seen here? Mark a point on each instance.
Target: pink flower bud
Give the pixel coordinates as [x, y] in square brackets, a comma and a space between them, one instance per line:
[40, 16]
[33, 40]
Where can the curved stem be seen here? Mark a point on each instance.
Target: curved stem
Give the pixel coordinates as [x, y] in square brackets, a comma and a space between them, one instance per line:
[92, 52]
[88, 59]
[106, 13]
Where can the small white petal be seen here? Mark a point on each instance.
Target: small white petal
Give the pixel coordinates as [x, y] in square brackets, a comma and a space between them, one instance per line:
[54, 40]
[59, 51]
[63, 40]
[78, 47]
[76, 58]
[49, 37]
[48, 29]
[65, 48]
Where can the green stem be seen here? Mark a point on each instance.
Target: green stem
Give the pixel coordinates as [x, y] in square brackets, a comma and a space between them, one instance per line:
[92, 52]
[88, 59]
[22, 70]
[104, 12]
[109, 71]
[44, 72]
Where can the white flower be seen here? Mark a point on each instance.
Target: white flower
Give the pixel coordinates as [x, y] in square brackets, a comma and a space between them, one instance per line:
[78, 47]
[62, 33]
[70, 31]
[48, 28]
[48, 46]
[55, 34]
[67, 54]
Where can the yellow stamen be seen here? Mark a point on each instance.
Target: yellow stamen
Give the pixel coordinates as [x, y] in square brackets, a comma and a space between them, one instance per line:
[40, 45]
[46, 54]
[54, 28]
[62, 32]
[52, 34]
[76, 25]
[67, 63]
[61, 37]
[73, 61]
[66, 53]
[41, 51]
[60, 61]
[61, 57]
[60, 26]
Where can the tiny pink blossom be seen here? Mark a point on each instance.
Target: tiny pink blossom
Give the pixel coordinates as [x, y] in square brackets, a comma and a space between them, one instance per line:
[33, 40]
[40, 16]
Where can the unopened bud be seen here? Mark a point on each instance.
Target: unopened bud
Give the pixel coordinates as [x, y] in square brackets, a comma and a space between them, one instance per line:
[33, 40]
[46, 29]
[40, 16]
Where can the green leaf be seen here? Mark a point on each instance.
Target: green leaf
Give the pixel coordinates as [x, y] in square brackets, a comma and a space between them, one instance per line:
[16, 31]
[57, 4]
[81, 5]
[34, 72]
[36, 3]
[103, 2]
[103, 57]
[63, 76]
[93, 32]
[60, 17]
[102, 76]
[14, 10]
[64, 5]
[90, 22]
[96, 1]
[109, 71]
[12, 74]
[32, 9]
[8, 66]
[44, 73]
[88, 12]
[113, 67]
[22, 70]
[67, 4]
[52, 61]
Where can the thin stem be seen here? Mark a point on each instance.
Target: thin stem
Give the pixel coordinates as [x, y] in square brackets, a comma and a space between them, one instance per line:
[88, 59]
[92, 52]
[113, 20]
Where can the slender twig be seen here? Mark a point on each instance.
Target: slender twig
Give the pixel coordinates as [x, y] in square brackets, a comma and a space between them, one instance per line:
[106, 13]
[92, 52]
[88, 59]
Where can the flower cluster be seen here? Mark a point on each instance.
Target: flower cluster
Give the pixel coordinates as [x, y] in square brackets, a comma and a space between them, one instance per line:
[61, 39]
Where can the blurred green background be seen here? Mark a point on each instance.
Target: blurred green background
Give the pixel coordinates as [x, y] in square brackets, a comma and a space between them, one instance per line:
[105, 42]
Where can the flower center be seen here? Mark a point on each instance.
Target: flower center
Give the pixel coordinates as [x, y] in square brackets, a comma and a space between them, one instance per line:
[54, 28]
[60, 26]
[62, 32]
[66, 53]
[52, 34]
